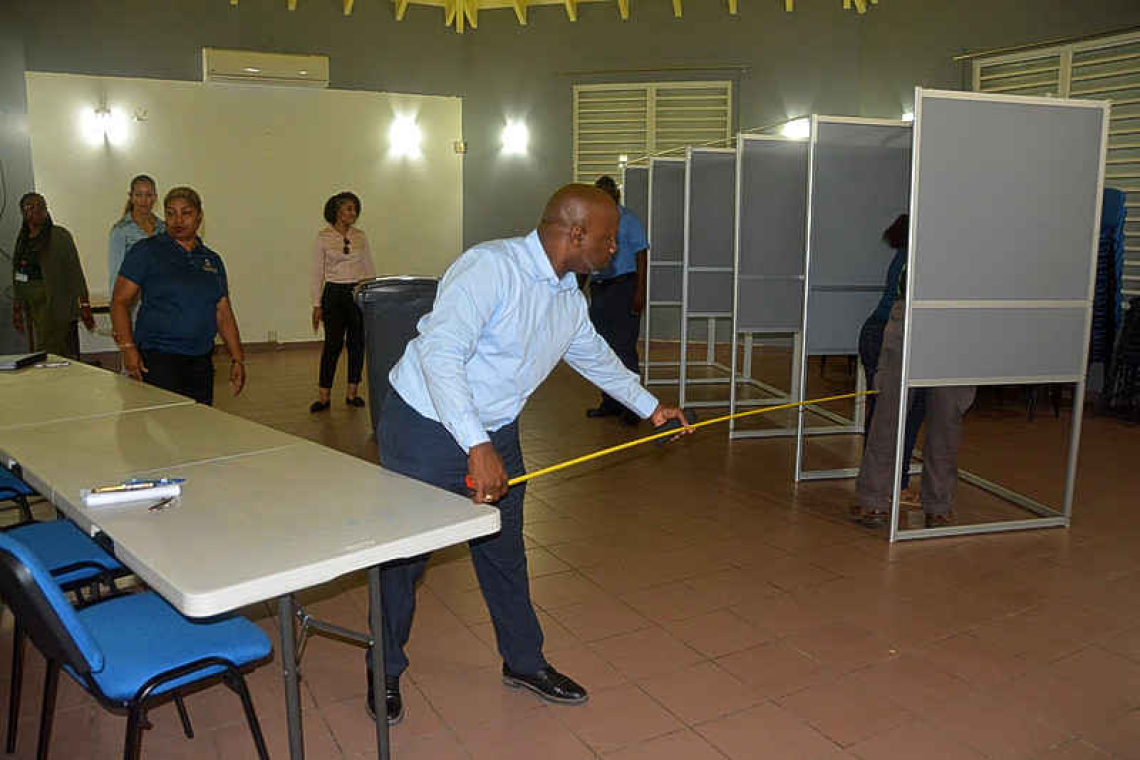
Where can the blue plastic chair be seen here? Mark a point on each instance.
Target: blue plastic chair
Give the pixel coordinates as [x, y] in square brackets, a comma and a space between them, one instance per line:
[12, 488]
[129, 651]
[76, 564]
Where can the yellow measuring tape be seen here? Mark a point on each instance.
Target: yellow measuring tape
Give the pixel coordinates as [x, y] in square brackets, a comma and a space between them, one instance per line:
[675, 431]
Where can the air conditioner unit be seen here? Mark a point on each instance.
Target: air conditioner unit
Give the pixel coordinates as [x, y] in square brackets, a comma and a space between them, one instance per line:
[248, 67]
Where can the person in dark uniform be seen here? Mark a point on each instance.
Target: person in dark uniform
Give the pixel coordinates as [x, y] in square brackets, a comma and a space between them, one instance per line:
[617, 298]
[48, 287]
[185, 304]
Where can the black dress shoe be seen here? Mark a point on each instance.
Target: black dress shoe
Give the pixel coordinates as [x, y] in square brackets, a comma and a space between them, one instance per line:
[356, 401]
[392, 697]
[318, 406]
[602, 411]
[547, 683]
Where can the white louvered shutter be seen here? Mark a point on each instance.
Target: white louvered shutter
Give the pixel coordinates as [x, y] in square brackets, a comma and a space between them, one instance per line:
[612, 121]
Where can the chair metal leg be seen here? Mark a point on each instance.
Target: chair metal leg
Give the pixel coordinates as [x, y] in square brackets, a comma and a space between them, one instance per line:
[184, 716]
[25, 508]
[237, 683]
[131, 746]
[17, 683]
[47, 713]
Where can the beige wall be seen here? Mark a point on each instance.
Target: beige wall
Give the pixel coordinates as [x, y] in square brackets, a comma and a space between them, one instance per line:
[264, 160]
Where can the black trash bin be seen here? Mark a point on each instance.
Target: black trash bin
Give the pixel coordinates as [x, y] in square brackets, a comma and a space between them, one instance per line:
[391, 306]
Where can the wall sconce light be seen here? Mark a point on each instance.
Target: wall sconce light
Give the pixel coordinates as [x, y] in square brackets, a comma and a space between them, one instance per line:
[102, 125]
[623, 159]
[797, 129]
[405, 137]
[515, 138]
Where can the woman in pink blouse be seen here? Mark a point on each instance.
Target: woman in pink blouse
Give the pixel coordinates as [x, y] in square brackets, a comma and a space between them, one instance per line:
[341, 258]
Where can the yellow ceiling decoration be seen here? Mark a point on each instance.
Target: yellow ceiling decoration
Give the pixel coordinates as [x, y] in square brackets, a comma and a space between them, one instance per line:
[465, 13]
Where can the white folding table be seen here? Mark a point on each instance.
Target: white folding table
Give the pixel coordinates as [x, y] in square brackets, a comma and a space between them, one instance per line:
[262, 514]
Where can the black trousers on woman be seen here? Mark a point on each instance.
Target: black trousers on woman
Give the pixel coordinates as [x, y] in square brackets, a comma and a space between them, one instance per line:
[342, 319]
[191, 376]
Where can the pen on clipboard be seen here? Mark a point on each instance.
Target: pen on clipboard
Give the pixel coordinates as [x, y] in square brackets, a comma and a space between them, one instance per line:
[138, 485]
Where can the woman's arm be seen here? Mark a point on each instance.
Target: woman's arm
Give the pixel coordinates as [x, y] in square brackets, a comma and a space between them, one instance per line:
[366, 257]
[317, 280]
[121, 299]
[116, 252]
[78, 281]
[228, 329]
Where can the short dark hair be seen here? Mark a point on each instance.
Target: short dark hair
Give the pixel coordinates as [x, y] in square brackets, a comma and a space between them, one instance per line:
[606, 182]
[897, 235]
[333, 204]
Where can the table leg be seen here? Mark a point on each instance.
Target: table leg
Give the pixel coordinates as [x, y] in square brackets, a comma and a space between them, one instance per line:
[376, 626]
[285, 613]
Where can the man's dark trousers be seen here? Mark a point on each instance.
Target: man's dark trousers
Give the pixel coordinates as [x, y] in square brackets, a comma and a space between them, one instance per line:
[610, 311]
[420, 448]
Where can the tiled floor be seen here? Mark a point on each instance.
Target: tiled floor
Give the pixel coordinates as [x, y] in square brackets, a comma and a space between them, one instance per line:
[715, 610]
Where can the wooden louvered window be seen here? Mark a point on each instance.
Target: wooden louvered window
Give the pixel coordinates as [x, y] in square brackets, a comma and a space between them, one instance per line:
[614, 123]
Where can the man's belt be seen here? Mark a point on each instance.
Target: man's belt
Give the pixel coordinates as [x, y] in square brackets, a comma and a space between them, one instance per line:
[614, 280]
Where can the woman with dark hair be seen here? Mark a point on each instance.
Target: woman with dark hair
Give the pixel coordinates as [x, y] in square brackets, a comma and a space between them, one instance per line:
[185, 302]
[48, 285]
[945, 406]
[341, 259]
[137, 223]
[871, 343]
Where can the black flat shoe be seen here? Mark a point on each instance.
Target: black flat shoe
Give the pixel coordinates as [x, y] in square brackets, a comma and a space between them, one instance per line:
[395, 703]
[318, 406]
[356, 401]
[602, 411]
[547, 683]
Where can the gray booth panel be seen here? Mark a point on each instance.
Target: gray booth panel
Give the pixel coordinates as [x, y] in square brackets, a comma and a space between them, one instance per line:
[970, 344]
[835, 318]
[710, 293]
[712, 208]
[667, 210]
[860, 184]
[773, 207]
[665, 284]
[635, 191]
[1007, 199]
[769, 304]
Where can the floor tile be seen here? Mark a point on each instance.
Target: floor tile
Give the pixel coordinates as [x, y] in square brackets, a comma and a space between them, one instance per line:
[700, 693]
[768, 731]
[846, 712]
[617, 718]
[645, 653]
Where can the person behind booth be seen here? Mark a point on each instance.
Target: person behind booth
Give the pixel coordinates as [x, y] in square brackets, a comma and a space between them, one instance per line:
[617, 298]
[341, 259]
[49, 291]
[184, 303]
[138, 223]
[945, 408]
[506, 313]
[871, 343]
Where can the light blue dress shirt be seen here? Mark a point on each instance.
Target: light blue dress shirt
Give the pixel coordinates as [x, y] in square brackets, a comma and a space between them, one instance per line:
[124, 234]
[631, 240]
[501, 321]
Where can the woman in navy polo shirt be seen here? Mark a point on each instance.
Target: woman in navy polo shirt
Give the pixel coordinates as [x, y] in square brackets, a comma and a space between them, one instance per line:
[185, 303]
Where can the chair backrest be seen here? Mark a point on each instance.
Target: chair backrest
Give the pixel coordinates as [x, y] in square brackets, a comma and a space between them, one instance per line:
[43, 610]
[11, 485]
